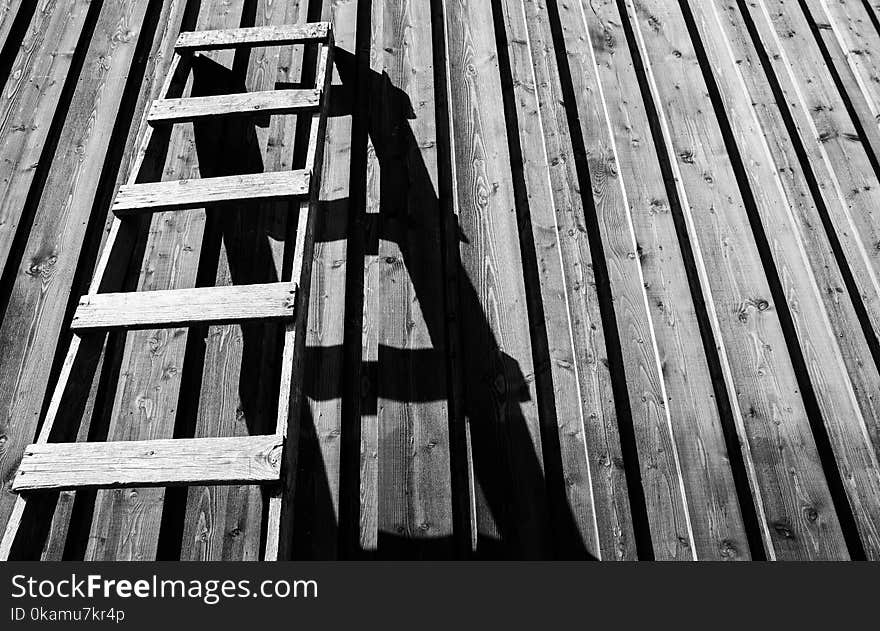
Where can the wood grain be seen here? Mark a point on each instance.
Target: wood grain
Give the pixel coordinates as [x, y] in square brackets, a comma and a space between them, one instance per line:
[500, 400]
[185, 307]
[30, 97]
[250, 103]
[414, 478]
[836, 352]
[121, 464]
[196, 193]
[271, 34]
[612, 100]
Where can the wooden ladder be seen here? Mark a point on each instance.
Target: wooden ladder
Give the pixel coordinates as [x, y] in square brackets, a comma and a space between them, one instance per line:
[51, 466]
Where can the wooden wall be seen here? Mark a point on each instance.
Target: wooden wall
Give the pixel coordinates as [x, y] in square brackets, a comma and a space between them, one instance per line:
[594, 278]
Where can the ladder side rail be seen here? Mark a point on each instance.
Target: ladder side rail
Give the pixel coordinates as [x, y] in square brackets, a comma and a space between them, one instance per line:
[279, 528]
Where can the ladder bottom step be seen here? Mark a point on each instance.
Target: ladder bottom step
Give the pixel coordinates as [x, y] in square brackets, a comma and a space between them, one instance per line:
[171, 462]
[184, 307]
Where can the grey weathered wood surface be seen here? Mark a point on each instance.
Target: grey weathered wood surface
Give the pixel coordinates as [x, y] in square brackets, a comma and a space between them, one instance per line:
[769, 410]
[249, 103]
[184, 307]
[42, 285]
[595, 519]
[836, 354]
[500, 399]
[272, 34]
[515, 278]
[413, 480]
[169, 462]
[199, 192]
[30, 97]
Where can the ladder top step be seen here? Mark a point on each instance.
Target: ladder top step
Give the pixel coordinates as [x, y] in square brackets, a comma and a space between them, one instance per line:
[269, 102]
[170, 462]
[279, 35]
[185, 307]
[198, 193]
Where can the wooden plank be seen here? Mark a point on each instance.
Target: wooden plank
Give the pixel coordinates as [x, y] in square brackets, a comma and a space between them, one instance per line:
[642, 245]
[185, 307]
[33, 320]
[31, 95]
[197, 193]
[321, 516]
[774, 427]
[272, 34]
[170, 462]
[414, 477]
[595, 519]
[125, 524]
[250, 103]
[500, 400]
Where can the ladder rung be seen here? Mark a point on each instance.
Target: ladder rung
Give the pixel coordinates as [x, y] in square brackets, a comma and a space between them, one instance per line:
[280, 35]
[197, 193]
[184, 307]
[170, 462]
[269, 102]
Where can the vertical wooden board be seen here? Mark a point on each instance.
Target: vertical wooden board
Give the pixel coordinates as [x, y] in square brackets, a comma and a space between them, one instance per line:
[415, 503]
[125, 525]
[499, 393]
[239, 382]
[318, 495]
[29, 100]
[795, 505]
[836, 356]
[713, 506]
[581, 384]
[33, 320]
[847, 184]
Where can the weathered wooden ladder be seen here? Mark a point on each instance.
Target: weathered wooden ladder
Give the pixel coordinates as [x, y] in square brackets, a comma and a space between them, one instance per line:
[50, 467]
